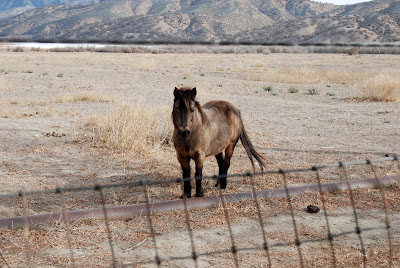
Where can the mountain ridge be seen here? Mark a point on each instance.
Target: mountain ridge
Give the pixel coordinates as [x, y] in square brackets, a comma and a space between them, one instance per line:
[11, 8]
[263, 21]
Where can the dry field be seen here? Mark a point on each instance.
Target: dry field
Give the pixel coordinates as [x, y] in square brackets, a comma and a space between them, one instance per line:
[80, 119]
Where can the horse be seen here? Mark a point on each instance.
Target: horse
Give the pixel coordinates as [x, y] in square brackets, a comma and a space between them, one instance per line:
[206, 130]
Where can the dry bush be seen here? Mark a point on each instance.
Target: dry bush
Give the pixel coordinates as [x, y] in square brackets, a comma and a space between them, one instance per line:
[18, 49]
[7, 84]
[139, 128]
[382, 87]
[147, 64]
[83, 96]
[3, 86]
[305, 76]
[355, 50]
[36, 49]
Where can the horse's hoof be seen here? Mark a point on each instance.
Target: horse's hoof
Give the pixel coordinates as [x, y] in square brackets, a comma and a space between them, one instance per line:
[186, 195]
[221, 183]
[200, 193]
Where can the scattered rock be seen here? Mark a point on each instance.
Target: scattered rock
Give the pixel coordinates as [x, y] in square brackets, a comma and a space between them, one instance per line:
[312, 209]
[54, 134]
[29, 114]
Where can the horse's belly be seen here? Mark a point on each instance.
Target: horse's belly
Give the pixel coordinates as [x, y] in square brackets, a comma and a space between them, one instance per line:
[215, 151]
[218, 145]
[224, 127]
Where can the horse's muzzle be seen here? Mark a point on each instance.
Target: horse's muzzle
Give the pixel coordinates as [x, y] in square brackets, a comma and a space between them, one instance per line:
[184, 133]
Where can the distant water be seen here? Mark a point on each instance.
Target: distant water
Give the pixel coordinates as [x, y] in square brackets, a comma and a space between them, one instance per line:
[57, 45]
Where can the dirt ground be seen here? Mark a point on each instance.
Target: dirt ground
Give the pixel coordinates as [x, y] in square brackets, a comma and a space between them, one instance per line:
[44, 144]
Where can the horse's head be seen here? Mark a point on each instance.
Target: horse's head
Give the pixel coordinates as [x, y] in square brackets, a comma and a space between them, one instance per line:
[184, 110]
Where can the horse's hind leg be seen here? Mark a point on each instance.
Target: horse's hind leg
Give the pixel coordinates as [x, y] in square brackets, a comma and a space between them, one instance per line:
[224, 164]
[220, 161]
[227, 163]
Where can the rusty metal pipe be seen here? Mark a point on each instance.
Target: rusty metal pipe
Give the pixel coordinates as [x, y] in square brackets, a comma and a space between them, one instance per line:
[204, 202]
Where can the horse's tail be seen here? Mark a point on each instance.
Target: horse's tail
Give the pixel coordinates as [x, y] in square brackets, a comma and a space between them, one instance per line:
[250, 150]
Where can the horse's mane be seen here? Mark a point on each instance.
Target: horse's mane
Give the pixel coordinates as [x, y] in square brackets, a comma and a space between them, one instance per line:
[200, 109]
[184, 93]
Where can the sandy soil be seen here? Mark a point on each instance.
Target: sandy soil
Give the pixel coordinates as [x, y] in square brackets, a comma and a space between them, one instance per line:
[43, 145]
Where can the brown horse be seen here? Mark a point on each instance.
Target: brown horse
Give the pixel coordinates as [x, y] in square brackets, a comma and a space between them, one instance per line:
[202, 131]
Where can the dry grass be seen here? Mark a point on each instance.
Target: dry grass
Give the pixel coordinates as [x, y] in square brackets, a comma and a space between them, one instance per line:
[83, 96]
[137, 127]
[382, 87]
[4, 85]
[14, 102]
[367, 85]
[306, 75]
[132, 238]
[35, 160]
[217, 49]
[147, 65]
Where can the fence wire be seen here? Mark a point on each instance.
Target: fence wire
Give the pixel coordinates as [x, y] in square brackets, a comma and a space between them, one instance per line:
[234, 249]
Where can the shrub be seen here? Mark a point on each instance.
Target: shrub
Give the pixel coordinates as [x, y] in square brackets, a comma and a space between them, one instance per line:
[18, 49]
[331, 94]
[313, 91]
[138, 128]
[83, 96]
[382, 87]
[4, 84]
[293, 90]
[268, 88]
[355, 50]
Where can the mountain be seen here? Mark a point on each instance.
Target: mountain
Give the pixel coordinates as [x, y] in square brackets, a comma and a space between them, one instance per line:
[375, 21]
[205, 20]
[11, 8]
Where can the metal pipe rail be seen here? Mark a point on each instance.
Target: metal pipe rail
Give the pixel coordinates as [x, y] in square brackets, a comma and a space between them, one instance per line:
[204, 202]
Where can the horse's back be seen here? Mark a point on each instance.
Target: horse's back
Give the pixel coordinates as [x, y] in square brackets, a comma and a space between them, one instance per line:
[222, 107]
[225, 123]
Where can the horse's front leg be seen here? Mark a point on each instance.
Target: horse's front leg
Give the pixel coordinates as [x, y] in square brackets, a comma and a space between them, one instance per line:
[199, 160]
[185, 164]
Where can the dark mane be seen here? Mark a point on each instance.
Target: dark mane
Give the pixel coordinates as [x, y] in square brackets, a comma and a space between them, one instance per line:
[185, 94]
[200, 109]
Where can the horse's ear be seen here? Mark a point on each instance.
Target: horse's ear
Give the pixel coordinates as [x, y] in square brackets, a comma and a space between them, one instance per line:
[194, 92]
[176, 90]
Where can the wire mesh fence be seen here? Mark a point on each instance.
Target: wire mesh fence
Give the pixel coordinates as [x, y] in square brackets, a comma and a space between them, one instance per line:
[327, 218]
[344, 224]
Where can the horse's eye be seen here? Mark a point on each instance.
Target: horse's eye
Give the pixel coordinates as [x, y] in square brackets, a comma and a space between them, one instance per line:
[191, 110]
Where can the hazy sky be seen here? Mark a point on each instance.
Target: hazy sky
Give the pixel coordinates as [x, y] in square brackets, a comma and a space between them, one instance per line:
[341, 2]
